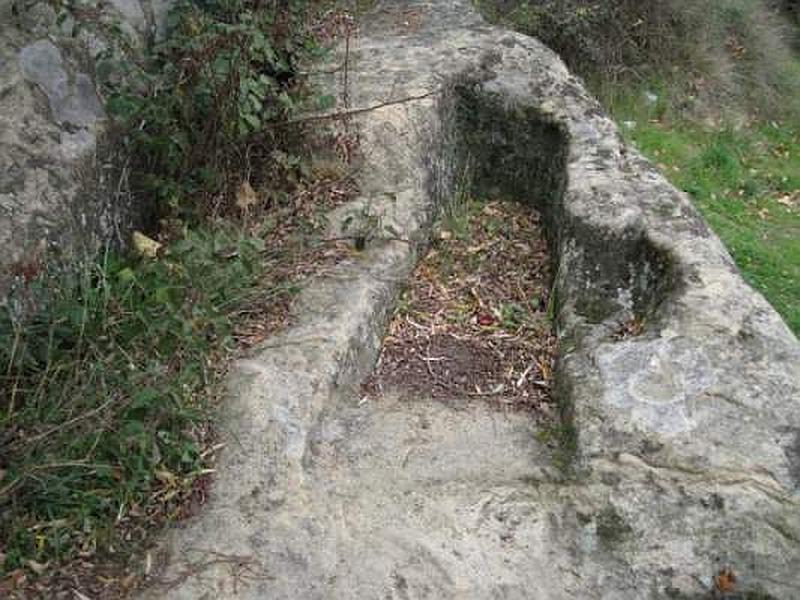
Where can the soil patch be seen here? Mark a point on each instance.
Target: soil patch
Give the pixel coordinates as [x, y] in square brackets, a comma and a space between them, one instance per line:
[473, 322]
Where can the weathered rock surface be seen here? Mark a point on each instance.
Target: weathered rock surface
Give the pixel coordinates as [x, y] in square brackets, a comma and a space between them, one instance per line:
[683, 442]
[71, 103]
[56, 187]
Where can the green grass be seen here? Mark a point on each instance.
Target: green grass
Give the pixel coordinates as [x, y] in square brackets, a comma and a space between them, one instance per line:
[745, 181]
[104, 386]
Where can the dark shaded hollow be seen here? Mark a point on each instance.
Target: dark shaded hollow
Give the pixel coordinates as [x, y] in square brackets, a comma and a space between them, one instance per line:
[497, 148]
[517, 153]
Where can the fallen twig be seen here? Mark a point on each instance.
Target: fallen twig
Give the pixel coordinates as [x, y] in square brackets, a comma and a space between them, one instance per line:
[356, 111]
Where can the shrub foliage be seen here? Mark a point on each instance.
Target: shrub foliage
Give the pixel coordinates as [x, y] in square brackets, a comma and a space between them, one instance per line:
[202, 109]
[101, 371]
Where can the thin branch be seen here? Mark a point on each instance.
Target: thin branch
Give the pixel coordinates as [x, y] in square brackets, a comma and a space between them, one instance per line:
[345, 92]
[358, 111]
[64, 426]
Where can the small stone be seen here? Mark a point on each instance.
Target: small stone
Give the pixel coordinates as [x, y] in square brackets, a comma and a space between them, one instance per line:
[41, 63]
[82, 107]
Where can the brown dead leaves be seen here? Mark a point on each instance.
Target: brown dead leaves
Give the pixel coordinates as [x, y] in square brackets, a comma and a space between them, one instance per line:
[472, 323]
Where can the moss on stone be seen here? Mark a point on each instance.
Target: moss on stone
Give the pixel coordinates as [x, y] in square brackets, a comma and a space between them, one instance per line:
[612, 528]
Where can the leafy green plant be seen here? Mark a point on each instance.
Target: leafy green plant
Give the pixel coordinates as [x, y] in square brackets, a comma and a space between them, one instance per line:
[204, 107]
[100, 375]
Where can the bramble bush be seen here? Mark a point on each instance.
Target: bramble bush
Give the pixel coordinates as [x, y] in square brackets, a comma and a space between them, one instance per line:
[200, 113]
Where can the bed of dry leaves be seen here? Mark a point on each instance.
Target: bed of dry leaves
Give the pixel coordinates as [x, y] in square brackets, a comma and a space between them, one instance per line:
[473, 323]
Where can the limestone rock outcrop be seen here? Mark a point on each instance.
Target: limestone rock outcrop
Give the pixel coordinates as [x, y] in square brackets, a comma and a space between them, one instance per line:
[57, 188]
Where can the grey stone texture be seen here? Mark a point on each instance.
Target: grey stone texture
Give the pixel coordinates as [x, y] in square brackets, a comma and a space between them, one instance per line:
[71, 103]
[56, 185]
[132, 13]
[680, 450]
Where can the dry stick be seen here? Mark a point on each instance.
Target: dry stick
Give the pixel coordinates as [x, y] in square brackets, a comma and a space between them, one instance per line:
[66, 425]
[57, 465]
[332, 71]
[345, 92]
[196, 568]
[428, 362]
[11, 360]
[8, 488]
[346, 238]
[358, 111]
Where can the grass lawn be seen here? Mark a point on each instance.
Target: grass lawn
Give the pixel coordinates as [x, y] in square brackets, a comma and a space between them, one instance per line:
[745, 181]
